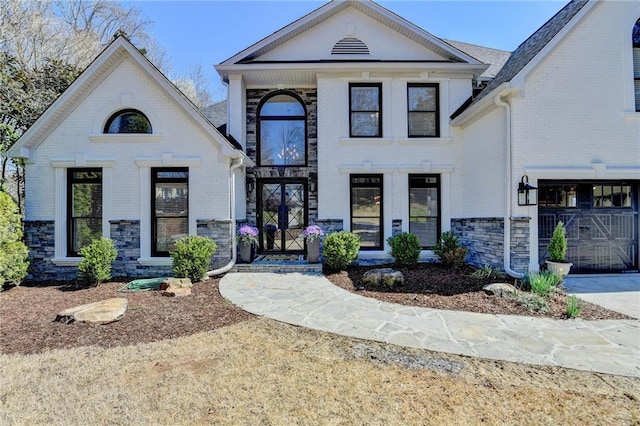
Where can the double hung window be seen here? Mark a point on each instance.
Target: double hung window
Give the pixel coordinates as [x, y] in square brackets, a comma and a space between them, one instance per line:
[423, 112]
[365, 110]
[424, 208]
[84, 208]
[366, 210]
[169, 208]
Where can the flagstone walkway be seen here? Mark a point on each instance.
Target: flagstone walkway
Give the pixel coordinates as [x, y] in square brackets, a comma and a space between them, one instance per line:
[310, 300]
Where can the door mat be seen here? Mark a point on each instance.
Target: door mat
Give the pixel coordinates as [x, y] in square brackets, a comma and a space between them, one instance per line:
[278, 258]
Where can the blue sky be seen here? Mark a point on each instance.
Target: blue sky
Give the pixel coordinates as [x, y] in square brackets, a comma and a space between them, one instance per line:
[208, 32]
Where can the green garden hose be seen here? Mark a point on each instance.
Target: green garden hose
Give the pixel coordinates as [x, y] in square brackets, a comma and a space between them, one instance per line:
[145, 284]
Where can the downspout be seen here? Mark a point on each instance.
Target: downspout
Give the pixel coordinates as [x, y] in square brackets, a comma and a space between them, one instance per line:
[507, 178]
[232, 210]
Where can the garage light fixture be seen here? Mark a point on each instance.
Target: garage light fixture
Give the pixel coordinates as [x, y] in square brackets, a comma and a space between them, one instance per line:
[527, 194]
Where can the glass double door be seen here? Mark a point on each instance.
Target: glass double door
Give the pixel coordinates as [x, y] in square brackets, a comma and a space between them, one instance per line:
[281, 215]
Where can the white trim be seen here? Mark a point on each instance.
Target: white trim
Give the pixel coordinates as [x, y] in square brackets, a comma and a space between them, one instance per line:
[126, 137]
[155, 261]
[168, 160]
[631, 115]
[366, 141]
[594, 171]
[60, 167]
[425, 141]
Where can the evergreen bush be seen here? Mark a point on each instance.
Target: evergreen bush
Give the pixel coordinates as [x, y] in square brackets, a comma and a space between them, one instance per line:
[405, 249]
[192, 257]
[557, 246]
[340, 249]
[13, 252]
[449, 250]
[97, 260]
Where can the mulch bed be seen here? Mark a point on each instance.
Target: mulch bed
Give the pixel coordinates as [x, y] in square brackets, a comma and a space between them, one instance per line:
[439, 287]
[27, 315]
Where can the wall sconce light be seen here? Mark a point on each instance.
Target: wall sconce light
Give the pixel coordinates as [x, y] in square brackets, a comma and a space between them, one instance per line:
[527, 194]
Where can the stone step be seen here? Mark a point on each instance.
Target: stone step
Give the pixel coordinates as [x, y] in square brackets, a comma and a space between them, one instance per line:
[279, 267]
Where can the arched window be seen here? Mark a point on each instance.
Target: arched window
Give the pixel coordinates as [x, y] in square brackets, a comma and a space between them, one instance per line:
[128, 121]
[635, 36]
[282, 131]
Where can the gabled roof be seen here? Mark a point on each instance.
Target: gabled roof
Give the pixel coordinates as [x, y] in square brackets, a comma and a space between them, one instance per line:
[532, 48]
[496, 58]
[367, 7]
[106, 61]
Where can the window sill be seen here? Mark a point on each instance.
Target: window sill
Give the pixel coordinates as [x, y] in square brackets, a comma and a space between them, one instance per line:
[155, 261]
[366, 141]
[126, 137]
[632, 115]
[425, 141]
[66, 261]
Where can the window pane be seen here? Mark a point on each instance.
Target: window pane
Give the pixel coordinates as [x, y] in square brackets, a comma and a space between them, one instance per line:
[87, 200]
[282, 142]
[422, 124]
[168, 231]
[368, 229]
[365, 98]
[637, 89]
[424, 209]
[365, 124]
[172, 199]
[85, 230]
[282, 105]
[365, 202]
[426, 229]
[422, 99]
[129, 122]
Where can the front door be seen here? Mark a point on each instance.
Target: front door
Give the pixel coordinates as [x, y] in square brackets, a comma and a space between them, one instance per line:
[281, 215]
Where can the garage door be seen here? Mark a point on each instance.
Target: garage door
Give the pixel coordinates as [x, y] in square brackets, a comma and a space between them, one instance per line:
[601, 218]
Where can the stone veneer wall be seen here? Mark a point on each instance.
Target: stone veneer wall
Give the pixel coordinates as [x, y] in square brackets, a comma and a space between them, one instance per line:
[484, 238]
[309, 97]
[219, 230]
[40, 238]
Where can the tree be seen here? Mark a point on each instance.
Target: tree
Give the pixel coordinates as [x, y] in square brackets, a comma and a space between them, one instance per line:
[13, 252]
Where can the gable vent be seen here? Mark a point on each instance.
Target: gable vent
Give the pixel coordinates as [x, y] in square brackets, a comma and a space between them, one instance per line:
[350, 46]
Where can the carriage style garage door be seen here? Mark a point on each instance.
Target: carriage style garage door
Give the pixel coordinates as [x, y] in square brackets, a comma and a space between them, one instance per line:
[601, 218]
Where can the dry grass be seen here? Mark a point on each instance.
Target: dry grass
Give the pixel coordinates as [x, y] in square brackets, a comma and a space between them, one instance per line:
[263, 372]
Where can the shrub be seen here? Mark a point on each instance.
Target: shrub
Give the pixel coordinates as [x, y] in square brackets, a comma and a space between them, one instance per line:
[542, 283]
[192, 257]
[487, 271]
[13, 252]
[405, 249]
[97, 259]
[557, 246]
[340, 249]
[449, 250]
[573, 306]
[533, 302]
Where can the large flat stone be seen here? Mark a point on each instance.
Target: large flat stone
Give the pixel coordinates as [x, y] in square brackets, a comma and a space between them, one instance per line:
[102, 312]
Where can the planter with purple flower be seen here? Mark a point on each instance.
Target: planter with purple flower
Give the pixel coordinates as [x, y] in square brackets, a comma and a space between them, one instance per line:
[312, 234]
[247, 238]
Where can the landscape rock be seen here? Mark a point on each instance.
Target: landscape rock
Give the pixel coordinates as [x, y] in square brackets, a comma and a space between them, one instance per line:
[176, 287]
[103, 312]
[176, 283]
[383, 276]
[499, 289]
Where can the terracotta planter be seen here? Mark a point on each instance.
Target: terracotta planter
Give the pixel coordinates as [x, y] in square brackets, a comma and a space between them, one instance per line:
[559, 268]
[313, 250]
[244, 252]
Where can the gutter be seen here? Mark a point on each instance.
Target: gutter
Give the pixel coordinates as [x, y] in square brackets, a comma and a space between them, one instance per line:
[507, 178]
[239, 162]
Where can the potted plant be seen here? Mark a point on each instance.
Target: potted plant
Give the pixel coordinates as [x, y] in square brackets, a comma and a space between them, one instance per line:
[247, 237]
[557, 249]
[312, 234]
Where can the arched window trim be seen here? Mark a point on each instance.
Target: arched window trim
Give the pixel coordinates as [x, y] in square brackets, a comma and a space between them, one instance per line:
[260, 118]
[121, 112]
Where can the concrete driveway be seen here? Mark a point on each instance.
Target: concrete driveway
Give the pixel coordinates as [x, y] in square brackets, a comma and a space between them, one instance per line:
[617, 292]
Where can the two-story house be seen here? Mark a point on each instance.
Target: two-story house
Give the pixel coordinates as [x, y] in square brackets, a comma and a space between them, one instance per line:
[354, 118]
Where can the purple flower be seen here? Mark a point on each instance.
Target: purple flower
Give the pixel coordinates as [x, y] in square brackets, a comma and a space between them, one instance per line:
[248, 234]
[312, 232]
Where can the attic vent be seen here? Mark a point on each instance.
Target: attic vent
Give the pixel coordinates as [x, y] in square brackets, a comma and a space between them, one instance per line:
[350, 46]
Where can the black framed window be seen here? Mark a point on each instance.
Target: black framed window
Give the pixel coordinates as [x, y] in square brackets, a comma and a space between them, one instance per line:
[128, 121]
[611, 196]
[635, 36]
[558, 195]
[424, 208]
[282, 137]
[169, 208]
[84, 208]
[366, 210]
[365, 110]
[423, 114]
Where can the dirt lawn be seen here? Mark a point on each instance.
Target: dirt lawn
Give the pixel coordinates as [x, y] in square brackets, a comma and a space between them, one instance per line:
[200, 360]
